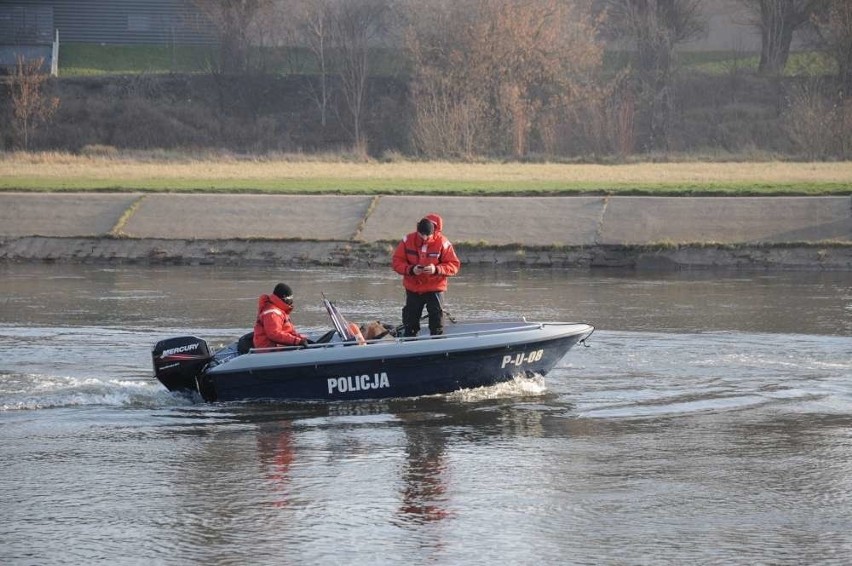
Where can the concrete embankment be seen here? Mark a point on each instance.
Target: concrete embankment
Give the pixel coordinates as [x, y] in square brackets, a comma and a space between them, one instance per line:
[636, 232]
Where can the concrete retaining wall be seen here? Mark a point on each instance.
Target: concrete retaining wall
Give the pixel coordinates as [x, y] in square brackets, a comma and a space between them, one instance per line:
[584, 230]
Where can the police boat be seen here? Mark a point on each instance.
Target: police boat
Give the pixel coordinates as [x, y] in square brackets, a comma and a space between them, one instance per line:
[341, 365]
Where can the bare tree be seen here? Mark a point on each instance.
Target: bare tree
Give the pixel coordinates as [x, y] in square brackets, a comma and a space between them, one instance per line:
[777, 21]
[495, 71]
[239, 24]
[356, 26]
[30, 105]
[308, 26]
[447, 115]
[833, 26]
[655, 27]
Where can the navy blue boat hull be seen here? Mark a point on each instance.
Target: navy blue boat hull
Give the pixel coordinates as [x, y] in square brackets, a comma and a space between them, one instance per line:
[381, 378]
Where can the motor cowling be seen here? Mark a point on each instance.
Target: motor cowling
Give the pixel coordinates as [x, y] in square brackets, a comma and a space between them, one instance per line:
[179, 361]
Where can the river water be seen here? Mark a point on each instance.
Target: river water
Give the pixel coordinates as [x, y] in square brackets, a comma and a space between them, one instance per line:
[709, 421]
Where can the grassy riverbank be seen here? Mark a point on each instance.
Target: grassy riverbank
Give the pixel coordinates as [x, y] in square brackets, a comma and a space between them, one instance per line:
[297, 174]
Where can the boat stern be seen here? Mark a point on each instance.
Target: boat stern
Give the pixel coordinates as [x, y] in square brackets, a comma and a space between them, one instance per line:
[178, 362]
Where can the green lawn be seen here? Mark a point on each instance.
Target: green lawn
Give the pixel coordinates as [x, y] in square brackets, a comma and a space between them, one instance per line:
[423, 186]
[296, 174]
[81, 59]
[88, 59]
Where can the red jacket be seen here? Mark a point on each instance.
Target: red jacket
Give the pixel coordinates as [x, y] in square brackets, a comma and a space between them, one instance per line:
[415, 250]
[273, 327]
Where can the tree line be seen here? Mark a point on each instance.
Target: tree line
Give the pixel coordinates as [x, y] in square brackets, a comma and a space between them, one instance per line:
[507, 77]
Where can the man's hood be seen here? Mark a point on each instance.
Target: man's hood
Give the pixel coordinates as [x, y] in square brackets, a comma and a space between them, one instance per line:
[266, 301]
[436, 220]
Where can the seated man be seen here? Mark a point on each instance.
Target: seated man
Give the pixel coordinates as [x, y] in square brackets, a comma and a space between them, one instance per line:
[273, 327]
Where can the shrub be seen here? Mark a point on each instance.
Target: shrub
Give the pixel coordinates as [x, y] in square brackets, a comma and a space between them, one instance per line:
[815, 122]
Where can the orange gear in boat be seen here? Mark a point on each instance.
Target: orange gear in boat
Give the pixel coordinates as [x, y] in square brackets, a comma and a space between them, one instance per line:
[356, 332]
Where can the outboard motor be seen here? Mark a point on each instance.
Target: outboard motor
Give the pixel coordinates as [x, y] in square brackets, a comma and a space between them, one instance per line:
[178, 361]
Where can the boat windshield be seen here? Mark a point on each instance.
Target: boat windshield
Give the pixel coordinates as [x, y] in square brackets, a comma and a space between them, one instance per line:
[339, 321]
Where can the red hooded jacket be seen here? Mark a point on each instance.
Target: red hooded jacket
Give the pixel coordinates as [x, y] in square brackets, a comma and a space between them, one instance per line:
[436, 250]
[273, 327]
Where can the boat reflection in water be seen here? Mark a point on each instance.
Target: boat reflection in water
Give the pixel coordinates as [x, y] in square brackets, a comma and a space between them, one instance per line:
[285, 445]
[424, 485]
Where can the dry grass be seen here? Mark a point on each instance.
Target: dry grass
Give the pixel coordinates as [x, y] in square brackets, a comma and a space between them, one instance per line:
[56, 171]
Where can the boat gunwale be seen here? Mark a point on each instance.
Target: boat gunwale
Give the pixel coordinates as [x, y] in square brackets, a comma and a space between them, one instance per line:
[521, 325]
[436, 346]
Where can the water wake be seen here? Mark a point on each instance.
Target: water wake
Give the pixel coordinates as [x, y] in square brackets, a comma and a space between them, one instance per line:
[27, 392]
[518, 387]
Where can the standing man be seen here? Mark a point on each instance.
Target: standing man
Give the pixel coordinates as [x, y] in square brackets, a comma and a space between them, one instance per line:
[425, 259]
[273, 327]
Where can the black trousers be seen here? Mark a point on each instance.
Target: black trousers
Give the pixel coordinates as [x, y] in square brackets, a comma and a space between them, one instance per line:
[413, 310]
